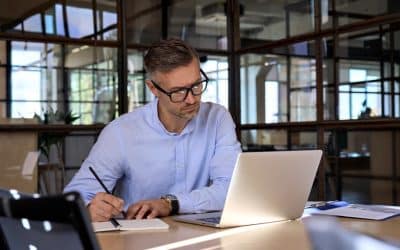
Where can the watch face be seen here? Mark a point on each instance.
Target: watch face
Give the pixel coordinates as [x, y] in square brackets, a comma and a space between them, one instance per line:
[171, 197]
[174, 203]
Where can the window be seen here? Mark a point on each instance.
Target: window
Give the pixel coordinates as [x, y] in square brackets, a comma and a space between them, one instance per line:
[93, 82]
[216, 69]
[359, 90]
[77, 16]
[26, 78]
[271, 101]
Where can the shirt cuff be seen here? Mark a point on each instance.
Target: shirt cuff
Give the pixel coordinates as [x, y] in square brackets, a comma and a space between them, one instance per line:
[185, 205]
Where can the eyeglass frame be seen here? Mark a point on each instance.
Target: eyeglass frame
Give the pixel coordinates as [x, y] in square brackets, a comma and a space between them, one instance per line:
[187, 89]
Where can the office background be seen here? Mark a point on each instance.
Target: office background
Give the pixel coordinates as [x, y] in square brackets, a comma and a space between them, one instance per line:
[294, 74]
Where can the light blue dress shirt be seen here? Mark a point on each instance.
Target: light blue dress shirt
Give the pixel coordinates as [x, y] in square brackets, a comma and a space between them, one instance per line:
[148, 161]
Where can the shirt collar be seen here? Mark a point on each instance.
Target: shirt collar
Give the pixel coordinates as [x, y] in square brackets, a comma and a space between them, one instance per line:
[160, 126]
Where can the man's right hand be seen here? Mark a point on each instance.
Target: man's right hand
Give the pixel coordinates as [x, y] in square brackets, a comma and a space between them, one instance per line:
[105, 206]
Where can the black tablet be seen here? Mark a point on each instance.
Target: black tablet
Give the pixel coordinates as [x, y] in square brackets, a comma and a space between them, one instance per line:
[50, 222]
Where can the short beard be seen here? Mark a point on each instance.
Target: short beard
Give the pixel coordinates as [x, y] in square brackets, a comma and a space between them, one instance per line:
[188, 116]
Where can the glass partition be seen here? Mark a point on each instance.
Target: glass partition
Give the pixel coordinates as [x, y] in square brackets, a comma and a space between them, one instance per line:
[3, 95]
[77, 14]
[201, 23]
[39, 85]
[3, 79]
[350, 11]
[262, 22]
[366, 74]
[49, 18]
[328, 72]
[33, 24]
[138, 93]
[326, 14]
[263, 88]
[35, 76]
[92, 83]
[271, 83]
[302, 140]
[396, 74]
[106, 19]
[216, 68]
[303, 92]
[357, 155]
[264, 140]
[143, 21]
[359, 89]
[61, 57]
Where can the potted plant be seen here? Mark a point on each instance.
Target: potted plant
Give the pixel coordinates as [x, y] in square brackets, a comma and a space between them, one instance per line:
[49, 141]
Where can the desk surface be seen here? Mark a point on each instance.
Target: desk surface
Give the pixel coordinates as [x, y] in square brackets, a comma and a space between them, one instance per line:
[280, 235]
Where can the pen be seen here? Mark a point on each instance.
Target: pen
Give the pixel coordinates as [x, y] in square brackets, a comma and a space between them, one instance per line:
[108, 192]
[115, 223]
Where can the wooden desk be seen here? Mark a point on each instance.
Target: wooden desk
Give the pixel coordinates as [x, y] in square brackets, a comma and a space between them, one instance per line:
[280, 235]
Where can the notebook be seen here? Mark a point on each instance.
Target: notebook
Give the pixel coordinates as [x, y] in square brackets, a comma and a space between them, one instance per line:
[131, 225]
[265, 187]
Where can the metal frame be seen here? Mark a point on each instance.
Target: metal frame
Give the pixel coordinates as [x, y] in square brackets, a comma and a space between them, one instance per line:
[233, 53]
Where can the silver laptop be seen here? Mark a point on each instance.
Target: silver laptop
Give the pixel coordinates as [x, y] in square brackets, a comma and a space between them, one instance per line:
[265, 187]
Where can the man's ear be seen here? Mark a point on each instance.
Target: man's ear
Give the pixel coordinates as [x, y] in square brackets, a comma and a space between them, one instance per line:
[152, 88]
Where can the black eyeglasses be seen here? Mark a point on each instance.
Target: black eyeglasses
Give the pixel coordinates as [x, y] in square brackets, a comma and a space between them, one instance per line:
[180, 94]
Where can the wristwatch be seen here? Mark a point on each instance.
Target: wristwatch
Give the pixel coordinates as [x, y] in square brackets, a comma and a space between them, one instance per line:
[173, 203]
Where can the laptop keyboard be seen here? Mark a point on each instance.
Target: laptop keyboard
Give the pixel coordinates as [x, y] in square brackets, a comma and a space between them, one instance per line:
[214, 220]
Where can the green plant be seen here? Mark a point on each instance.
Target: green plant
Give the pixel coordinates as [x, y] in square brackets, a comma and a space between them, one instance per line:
[46, 139]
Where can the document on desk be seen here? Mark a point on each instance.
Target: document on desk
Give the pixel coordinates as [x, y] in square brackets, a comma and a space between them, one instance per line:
[370, 212]
[131, 225]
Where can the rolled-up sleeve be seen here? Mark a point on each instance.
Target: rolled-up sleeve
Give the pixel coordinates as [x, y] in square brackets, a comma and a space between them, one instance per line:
[106, 159]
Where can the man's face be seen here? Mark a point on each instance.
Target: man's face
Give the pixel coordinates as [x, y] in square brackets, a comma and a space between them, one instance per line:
[184, 76]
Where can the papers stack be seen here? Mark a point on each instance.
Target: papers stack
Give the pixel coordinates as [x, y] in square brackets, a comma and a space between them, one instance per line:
[344, 209]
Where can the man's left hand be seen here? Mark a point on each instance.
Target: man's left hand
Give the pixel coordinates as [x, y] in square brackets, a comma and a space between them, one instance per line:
[148, 209]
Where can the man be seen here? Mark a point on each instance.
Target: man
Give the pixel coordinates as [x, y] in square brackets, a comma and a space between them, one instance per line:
[173, 155]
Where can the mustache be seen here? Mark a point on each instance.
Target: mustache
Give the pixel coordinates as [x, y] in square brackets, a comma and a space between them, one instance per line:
[190, 106]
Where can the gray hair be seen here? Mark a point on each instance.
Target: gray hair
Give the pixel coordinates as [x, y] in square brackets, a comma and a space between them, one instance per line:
[167, 55]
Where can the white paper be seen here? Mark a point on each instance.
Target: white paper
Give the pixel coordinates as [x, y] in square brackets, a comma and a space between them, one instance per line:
[134, 225]
[371, 212]
[30, 163]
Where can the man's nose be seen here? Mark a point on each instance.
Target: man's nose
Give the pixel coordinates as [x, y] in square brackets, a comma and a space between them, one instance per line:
[190, 98]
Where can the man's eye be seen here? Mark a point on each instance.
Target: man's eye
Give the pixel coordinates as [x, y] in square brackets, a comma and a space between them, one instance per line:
[197, 85]
[181, 92]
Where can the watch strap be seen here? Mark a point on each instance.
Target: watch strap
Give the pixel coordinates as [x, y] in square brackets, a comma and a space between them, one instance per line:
[173, 201]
